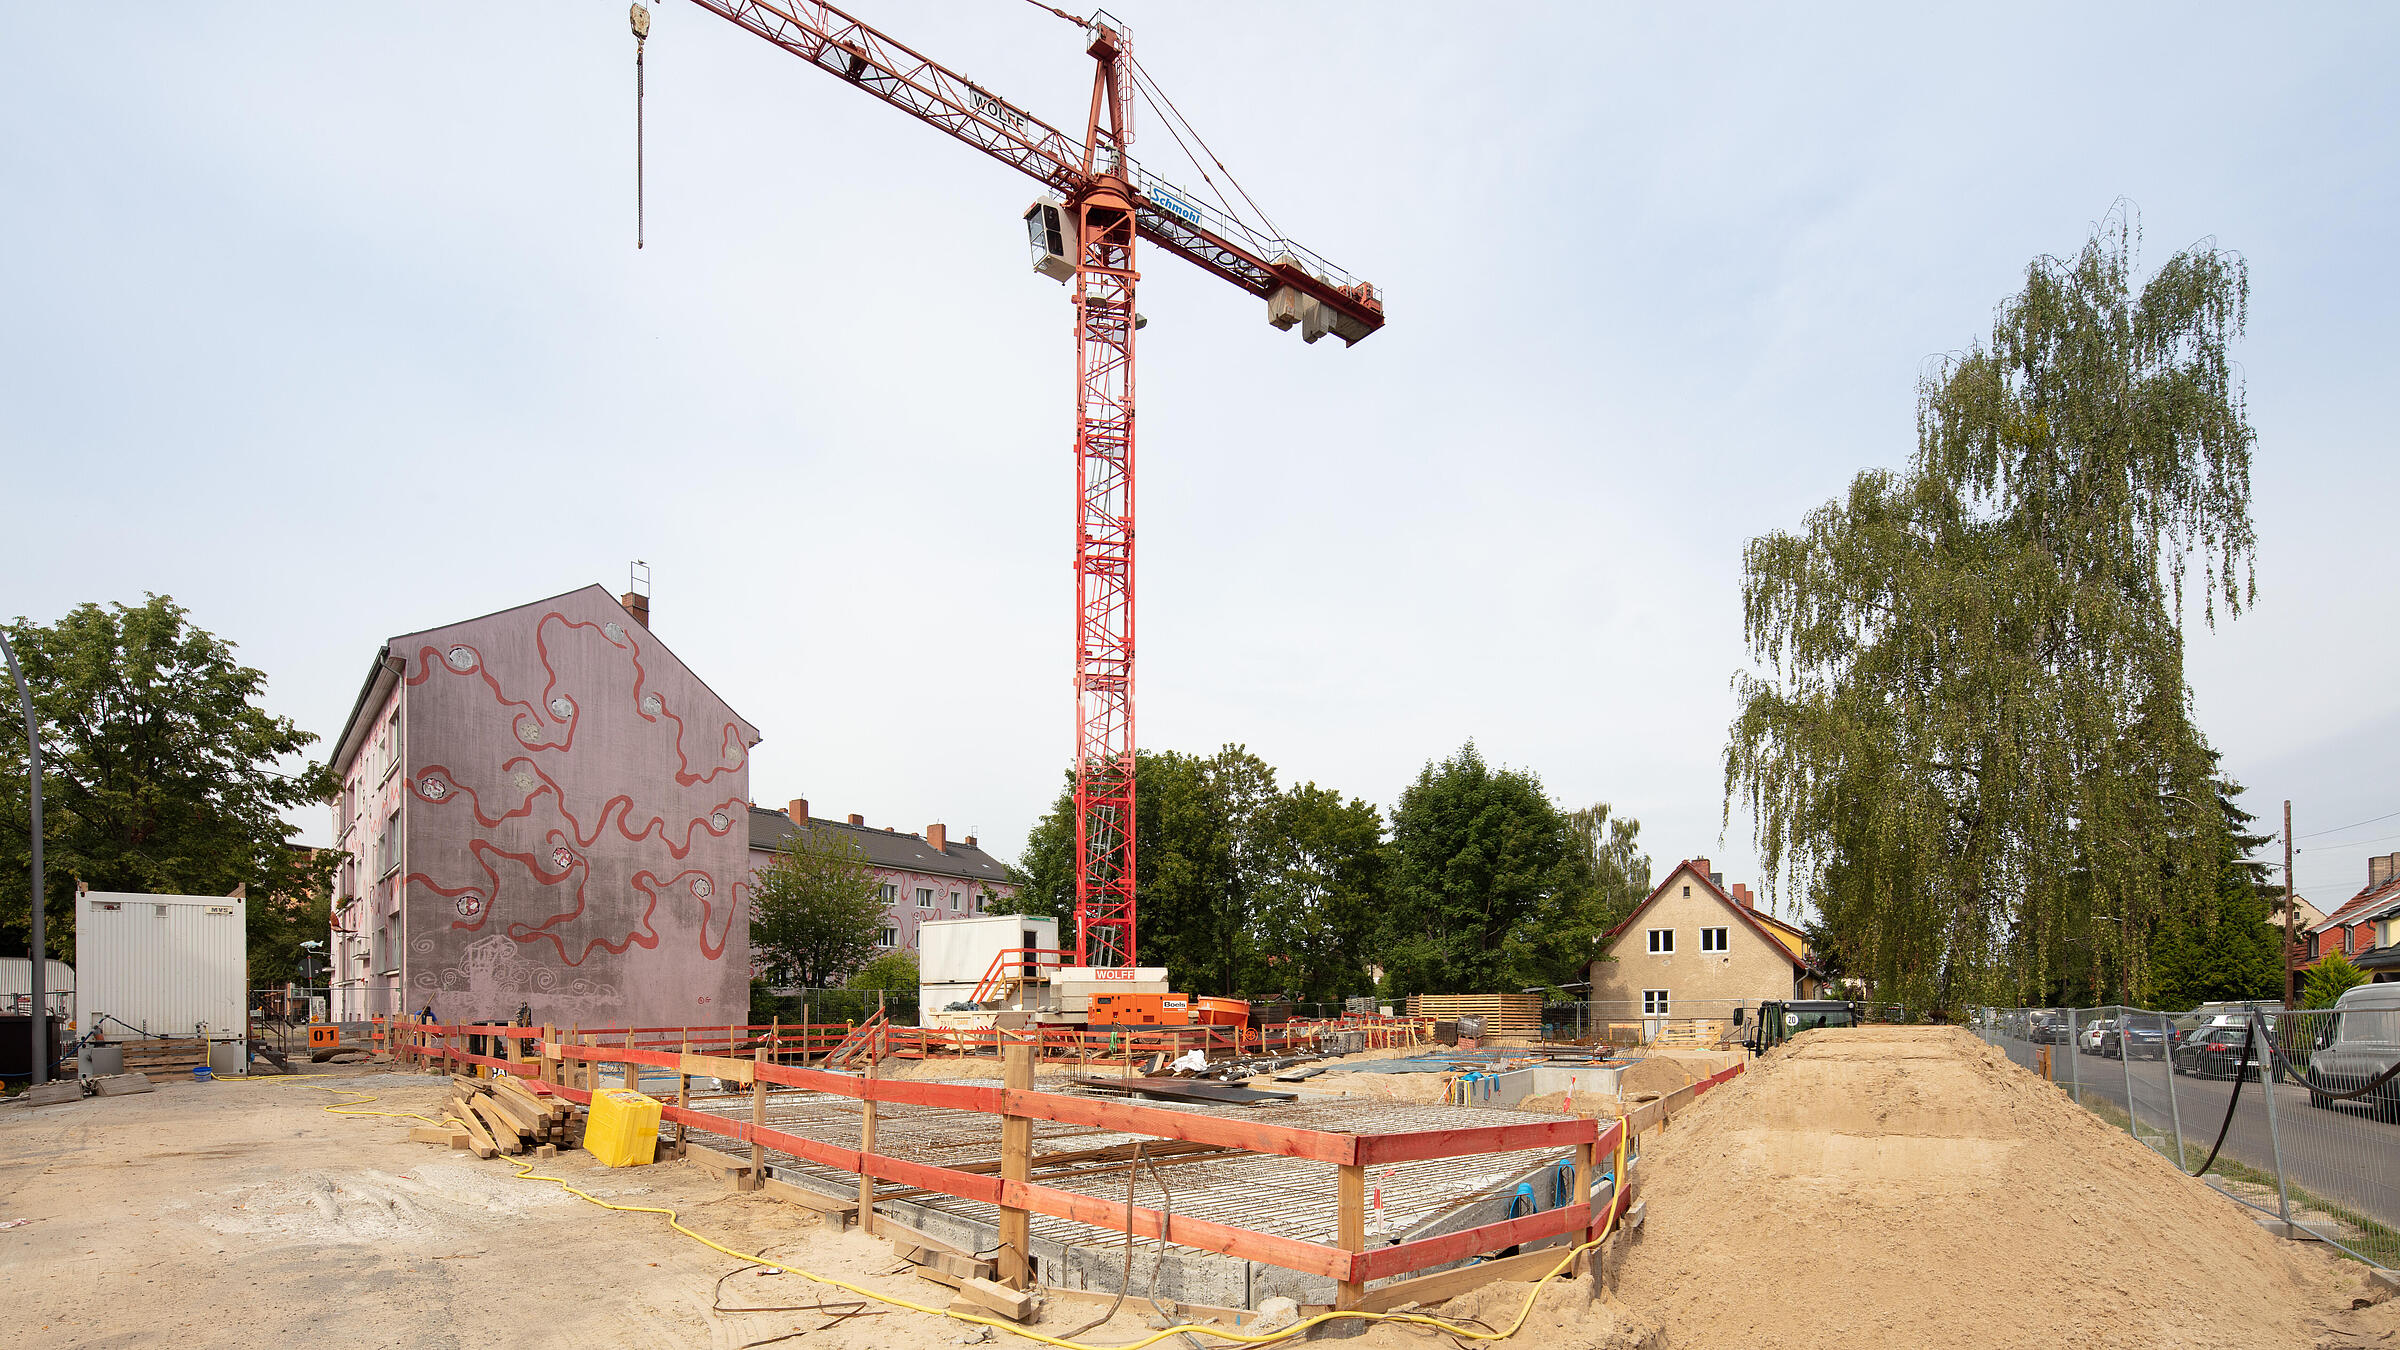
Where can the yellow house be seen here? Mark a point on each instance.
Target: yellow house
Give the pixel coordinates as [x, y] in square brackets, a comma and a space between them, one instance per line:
[1693, 949]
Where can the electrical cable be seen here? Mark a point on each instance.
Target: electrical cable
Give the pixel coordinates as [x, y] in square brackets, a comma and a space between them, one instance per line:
[2339, 828]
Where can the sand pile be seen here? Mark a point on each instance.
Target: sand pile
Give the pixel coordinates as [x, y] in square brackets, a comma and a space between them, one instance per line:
[1908, 1186]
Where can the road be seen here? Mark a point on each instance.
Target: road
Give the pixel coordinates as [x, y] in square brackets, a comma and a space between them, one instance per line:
[2340, 1153]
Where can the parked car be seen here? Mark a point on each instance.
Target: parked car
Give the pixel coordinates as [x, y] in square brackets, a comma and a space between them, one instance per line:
[2047, 1030]
[2218, 1052]
[2095, 1034]
[2366, 1041]
[2136, 1038]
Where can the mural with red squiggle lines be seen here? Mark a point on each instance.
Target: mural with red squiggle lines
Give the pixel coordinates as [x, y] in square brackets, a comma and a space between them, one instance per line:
[564, 849]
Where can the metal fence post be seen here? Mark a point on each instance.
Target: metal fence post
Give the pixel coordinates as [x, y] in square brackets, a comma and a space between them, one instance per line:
[2166, 1055]
[2266, 1088]
[2133, 1124]
[2074, 1054]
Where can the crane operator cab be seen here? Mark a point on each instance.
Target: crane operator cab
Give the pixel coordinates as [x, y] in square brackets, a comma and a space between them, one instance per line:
[1048, 228]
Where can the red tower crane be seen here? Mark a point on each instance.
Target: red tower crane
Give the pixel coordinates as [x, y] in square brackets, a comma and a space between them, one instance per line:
[1085, 233]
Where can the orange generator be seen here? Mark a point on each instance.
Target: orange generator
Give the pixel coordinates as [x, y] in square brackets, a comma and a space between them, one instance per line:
[1140, 1010]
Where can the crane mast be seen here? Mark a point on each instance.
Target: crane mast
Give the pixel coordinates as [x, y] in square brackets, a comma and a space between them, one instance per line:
[1104, 333]
[1105, 204]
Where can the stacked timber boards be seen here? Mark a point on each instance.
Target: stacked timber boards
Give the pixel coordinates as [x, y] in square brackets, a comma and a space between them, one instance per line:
[1502, 1014]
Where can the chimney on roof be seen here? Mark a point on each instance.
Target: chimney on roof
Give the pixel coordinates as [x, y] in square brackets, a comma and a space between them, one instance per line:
[857, 819]
[1700, 865]
[938, 836]
[2380, 870]
[970, 841]
[798, 808]
[638, 605]
[1741, 895]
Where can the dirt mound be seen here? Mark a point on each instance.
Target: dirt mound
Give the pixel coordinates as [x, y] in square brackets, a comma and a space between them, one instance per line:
[1908, 1185]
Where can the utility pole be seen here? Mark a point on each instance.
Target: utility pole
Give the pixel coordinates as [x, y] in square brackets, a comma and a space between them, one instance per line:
[2291, 903]
[41, 959]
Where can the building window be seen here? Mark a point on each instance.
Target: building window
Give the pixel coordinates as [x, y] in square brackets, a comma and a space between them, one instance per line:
[387, 846]
[891, 893]
[924, 897]
[1687, 892]
[1712, 939]
[388, 747]
[982, 901]
[1662, 942]
[954, 902]
[889, 937]
[1654, 1003]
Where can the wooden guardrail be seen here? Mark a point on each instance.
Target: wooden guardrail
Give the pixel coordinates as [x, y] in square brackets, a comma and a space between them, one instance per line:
[566, 1064]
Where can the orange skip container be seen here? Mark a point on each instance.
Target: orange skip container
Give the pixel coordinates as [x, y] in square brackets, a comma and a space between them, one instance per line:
[1210, 1011]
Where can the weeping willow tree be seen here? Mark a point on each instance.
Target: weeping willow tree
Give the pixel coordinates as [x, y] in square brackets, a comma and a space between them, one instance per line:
[1969, 738]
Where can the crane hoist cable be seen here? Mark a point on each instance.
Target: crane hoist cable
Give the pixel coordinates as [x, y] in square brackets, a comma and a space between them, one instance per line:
[639, 17]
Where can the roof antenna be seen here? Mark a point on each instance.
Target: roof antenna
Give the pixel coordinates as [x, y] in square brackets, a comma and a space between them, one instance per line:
[637, 578]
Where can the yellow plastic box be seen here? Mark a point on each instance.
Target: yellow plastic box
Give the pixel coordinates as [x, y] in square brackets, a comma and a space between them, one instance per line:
[622, 1130]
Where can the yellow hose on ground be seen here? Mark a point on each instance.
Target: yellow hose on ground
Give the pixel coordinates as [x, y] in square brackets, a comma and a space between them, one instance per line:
[1566, 1258]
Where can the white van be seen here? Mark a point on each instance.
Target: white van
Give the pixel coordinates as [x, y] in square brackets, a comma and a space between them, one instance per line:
[2366, 1042]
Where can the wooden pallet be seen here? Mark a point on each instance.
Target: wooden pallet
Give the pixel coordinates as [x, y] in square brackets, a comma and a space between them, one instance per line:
[1691, 1033]
[162, 1059]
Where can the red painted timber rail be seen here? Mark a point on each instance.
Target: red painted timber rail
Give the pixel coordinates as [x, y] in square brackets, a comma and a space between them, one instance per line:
[445, 1044]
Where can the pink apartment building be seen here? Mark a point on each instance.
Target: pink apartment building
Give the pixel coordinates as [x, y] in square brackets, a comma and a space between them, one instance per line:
[926, 878]
[545, 809]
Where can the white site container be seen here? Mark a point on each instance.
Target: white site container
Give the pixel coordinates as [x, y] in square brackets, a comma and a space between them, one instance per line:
[162, 965]
[954, 955]
[16, 987]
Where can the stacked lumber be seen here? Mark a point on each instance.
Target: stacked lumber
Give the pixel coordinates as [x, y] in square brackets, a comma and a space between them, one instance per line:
[1504, 1015]
[489, 1116]
[966, 1275]
[161, 1058]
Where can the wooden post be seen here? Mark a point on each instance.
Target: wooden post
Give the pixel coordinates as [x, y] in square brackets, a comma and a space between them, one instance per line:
[1587, 1175]
[1350, 1228]
[683, 1092]
[1016, 1164]
[866, 1144]
[758, 1121]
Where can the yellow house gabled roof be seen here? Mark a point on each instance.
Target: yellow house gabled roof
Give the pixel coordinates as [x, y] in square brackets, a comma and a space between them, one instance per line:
[1783, 935]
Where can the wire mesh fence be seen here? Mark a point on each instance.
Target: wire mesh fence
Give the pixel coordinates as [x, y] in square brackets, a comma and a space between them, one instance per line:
[2295, 1114]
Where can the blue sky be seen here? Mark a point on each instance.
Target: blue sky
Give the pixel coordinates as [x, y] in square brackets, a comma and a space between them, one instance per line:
[326, 320]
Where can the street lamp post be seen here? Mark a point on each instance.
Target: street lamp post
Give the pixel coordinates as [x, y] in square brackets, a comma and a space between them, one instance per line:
[40, 962]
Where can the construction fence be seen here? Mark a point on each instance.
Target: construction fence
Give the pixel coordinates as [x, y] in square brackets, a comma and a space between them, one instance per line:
[2231, 1096]
[764, 1082]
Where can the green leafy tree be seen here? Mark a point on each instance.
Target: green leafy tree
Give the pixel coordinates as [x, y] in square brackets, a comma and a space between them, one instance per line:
[1313, 917]
[818, 910]
[2222, 946]
[892, 972]
[1611, 876]
[1240, 888]
[1478, 856]
[1971, 740]
[160, 774]
[2329, 979]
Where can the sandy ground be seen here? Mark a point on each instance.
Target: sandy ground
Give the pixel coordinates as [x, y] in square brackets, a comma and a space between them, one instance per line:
[242, 1214]
[1882, 1187]
[1873, 1185]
